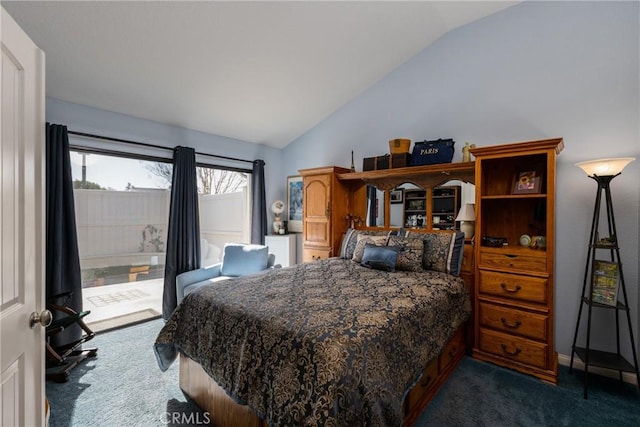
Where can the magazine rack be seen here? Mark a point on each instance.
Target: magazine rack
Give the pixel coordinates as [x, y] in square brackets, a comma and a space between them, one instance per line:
[602, 286]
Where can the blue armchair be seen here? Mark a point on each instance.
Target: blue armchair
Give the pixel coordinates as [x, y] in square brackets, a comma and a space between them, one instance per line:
[237, 260]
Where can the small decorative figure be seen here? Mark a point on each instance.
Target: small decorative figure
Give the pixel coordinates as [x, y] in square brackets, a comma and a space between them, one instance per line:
[277, 208]
[353, 167]
[466, 151]
[353, 220]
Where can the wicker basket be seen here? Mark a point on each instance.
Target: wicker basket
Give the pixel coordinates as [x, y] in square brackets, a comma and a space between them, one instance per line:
[399, 146]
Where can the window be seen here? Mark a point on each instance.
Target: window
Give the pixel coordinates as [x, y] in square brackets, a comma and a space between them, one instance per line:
[122, 210]
[224, 210]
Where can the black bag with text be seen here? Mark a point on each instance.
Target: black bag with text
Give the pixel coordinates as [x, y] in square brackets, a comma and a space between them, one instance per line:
[432, 152]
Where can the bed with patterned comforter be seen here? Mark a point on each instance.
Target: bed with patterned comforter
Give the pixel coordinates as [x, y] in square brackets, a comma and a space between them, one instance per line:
[318, 344]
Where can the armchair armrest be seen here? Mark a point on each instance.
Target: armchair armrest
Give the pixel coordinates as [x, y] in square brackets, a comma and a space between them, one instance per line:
[190, 277]
[271, 260]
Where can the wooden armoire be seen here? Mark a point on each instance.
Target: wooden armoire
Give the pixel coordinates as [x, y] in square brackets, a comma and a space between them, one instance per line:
[325, 207]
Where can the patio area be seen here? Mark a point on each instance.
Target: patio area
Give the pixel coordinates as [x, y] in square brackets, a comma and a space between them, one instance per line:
[116, 305]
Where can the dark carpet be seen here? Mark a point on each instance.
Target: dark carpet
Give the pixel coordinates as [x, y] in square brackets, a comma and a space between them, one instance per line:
[124, 387]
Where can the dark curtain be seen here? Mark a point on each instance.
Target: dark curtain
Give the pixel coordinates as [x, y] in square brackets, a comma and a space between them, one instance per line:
[62, 261]
[183, 235]
[258, 204]
[371, 198]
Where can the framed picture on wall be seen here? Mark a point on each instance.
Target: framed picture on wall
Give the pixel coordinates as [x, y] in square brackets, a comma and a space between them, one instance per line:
[294, 203]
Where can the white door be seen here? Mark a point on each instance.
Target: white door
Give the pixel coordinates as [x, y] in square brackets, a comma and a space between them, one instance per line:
[22, 211]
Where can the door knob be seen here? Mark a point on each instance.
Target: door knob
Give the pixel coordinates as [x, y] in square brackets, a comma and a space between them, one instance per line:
[44, 318]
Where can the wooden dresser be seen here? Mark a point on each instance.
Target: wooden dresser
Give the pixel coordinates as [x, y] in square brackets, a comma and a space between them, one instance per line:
[515, 196]
[325, 207]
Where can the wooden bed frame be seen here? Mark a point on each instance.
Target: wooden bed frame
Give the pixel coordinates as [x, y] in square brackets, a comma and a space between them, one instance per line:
[223, 411]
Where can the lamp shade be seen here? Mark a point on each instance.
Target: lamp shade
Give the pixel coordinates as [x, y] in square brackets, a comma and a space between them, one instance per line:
[605, 167]
[466, 213]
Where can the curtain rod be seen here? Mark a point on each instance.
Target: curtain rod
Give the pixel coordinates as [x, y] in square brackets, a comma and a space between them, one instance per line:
[145, 144]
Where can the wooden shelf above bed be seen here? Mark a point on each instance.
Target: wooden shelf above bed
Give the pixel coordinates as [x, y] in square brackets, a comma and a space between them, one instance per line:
[424, 176]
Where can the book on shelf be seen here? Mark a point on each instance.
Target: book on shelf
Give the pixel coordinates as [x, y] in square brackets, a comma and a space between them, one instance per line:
[605, 278]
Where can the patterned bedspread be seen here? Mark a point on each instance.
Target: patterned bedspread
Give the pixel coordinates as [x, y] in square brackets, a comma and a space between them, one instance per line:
[329, 343]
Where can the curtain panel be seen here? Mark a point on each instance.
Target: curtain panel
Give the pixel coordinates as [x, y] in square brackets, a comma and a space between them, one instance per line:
[258, 204]
[183, 235]
[62, 260]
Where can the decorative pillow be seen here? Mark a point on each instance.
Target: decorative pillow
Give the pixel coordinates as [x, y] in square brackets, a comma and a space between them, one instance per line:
[240, 259]
[443, 251]
[380, 257]
[458, 253]
[362, 240]
[351, 239]
[410, 255]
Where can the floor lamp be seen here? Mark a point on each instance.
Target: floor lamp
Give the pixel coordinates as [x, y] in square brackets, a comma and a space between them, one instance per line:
[603, 279]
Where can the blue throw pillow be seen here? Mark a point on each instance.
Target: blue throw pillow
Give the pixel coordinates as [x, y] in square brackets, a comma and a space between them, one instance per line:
[239, 259]
[380, 257]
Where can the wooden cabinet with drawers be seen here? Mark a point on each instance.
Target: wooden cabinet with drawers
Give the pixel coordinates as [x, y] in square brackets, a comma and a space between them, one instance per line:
[325, 207]
[515, 201]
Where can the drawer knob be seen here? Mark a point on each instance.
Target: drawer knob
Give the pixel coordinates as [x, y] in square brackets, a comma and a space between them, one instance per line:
[453, 351]
[426, 381]
[510, 325]
[510, 353]
[514, 290]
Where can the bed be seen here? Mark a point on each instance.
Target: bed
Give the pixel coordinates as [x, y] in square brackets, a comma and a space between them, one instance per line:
[328, 343]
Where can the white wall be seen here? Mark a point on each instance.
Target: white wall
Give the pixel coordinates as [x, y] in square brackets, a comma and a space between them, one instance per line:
[533, 71]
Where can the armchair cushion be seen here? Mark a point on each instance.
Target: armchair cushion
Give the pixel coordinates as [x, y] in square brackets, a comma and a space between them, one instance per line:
[240, 259]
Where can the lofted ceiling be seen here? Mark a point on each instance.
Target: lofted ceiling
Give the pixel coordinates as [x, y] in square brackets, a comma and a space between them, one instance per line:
[262, 72]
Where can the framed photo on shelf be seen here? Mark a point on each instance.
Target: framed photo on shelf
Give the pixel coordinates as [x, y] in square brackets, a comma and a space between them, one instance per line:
[527, 182]
[294, 203]
[396, 196]
[605, 278]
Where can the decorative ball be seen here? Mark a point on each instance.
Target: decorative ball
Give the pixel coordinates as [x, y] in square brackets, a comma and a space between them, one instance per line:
[525, 240]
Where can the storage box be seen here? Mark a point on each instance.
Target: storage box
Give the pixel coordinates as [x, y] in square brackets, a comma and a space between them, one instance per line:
[368, 164]
[376, 163]
[399, 145]
[400, 160]
[382, 162]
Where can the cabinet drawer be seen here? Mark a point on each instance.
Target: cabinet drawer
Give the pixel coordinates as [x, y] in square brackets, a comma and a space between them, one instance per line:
[452, 350]
[514, 348]
[310, 255]
[514, 321]
[513, 260]
[514, 286]
[427, 381]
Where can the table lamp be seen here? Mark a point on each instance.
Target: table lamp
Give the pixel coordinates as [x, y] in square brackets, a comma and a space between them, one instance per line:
[467, 216]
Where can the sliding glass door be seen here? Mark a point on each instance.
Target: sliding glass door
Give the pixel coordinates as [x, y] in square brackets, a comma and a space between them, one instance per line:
[122, 211]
